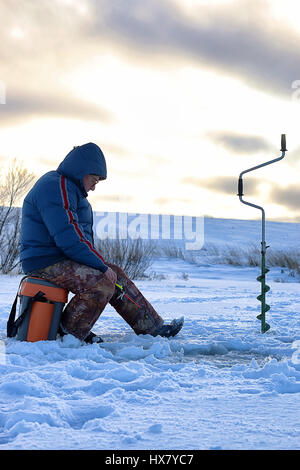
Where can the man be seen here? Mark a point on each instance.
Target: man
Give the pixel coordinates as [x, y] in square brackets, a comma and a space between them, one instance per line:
[57, 244]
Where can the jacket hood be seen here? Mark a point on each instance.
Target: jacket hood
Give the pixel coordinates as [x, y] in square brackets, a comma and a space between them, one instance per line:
[83, 160]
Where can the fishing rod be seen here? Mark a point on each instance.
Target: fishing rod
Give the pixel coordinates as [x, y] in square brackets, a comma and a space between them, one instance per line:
[262, 278]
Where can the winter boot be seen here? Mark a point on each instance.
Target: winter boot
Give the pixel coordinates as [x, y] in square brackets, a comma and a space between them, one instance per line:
[92, 338]
[171, 329]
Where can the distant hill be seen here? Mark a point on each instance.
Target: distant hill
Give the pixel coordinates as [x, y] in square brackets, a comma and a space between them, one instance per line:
[181, 230]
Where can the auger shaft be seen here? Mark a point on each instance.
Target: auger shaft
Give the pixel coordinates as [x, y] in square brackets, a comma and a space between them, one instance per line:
[262, 278]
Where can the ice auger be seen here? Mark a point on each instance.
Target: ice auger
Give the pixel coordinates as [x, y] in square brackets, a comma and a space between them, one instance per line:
[262, 278]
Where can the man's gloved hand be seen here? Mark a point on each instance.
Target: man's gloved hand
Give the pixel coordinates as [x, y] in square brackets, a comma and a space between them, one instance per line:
[111, 275]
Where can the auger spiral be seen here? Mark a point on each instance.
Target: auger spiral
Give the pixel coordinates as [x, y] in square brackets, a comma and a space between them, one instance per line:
[264, 289]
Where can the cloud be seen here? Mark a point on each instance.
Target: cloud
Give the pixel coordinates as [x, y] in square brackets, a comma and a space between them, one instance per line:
[288, 197]
[222, 184]
[56, 38]
[240, 38]
[47, 46]
[37, 64]
[21, 106]
[117, 150]
[110, 198]
[294, 158]
[167, 200]
[240, 143]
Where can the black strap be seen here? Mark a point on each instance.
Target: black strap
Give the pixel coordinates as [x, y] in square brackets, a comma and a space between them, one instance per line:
[12, 324]
[12, 315]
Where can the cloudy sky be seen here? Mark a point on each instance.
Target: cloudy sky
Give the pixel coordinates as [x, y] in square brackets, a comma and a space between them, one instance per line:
[181, 95]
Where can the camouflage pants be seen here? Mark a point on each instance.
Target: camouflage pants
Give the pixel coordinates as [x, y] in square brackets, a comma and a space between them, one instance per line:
[92, 293]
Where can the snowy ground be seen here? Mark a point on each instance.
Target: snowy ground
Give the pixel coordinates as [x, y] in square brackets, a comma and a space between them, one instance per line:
[220, 384]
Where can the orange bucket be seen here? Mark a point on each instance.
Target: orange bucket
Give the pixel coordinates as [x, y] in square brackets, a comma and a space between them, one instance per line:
[41, 304]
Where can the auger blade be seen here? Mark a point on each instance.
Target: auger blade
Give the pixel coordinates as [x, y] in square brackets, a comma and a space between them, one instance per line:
[261, 316]
[265, 327]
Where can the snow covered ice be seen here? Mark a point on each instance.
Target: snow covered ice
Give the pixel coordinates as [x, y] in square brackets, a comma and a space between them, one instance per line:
[219, 384]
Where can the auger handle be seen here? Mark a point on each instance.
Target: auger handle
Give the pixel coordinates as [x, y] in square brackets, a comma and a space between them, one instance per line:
[240, 187]
[283, 143]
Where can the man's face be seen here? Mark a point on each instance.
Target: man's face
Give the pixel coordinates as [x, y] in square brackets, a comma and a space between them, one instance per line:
[90, 181]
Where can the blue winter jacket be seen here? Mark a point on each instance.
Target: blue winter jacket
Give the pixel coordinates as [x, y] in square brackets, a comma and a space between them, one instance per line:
[57, 219]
